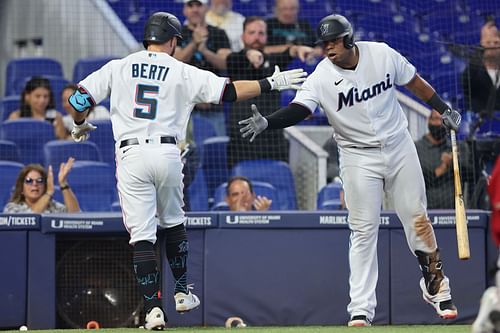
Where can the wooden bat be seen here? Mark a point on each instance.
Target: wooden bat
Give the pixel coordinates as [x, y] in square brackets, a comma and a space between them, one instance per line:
[460, 217]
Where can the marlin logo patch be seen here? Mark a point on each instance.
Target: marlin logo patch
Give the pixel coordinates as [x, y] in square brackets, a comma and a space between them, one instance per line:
[324, 28]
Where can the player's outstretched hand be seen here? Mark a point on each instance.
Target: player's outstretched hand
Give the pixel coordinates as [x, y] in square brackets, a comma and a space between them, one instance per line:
[81, 132]
[254, 125]
[451, 119]
[287, 79]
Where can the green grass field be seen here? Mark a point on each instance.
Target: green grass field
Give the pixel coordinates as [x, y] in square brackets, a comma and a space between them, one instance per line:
[295, 329]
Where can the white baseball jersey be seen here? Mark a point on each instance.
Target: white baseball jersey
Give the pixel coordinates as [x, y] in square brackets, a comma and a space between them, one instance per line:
[153, 93]
[360, 104]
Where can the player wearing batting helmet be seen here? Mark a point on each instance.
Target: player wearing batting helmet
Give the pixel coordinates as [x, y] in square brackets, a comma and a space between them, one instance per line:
[161, 93]
[356, 87]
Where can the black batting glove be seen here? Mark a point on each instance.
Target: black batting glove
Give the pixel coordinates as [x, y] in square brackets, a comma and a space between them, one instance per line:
[451, 119]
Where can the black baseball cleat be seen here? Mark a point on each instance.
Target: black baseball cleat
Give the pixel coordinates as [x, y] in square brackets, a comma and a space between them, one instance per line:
[359, 321]
[441, 301]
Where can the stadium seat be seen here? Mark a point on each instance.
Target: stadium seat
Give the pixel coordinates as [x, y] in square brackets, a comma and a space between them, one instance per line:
[8, 175]
[198, 194]
[491, 125]
[329, 197]
[276, 173]
[260, 188]
[9, 105]
[94, 185]
[19, 69]
[9, 151]
[103, 138]
[214, 161]
[83, 67]
[202, 130]
[57, 84]
[58, 151]
[29, 135]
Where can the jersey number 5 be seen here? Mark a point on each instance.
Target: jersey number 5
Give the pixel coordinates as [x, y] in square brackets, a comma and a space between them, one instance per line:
[151, 104]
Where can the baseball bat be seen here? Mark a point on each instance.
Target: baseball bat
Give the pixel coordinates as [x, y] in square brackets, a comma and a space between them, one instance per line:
[460, 217]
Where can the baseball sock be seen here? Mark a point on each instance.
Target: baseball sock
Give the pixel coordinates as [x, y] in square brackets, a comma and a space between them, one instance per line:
[177, 247]
[147, 274]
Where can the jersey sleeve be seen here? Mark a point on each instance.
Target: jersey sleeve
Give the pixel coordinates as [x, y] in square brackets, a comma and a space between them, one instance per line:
[205, 86]
[98, 84]
[307, 96]
[405, 71]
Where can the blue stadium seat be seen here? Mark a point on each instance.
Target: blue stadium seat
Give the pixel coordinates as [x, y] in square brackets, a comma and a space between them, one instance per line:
[58, 151]
[94, 185]
[19, 69]
[276, 173]
[202, 130]
[8, 175]
[214, 161]
[29, 135]
[57, 84]
[329, 197]
[83, 67]
[491, 126]
[260, 188]
[9, 105]
[103, 138]
[9, 151]
[198, 194]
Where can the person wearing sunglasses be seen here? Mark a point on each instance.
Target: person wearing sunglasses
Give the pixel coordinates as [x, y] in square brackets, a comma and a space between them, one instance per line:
[34, 190]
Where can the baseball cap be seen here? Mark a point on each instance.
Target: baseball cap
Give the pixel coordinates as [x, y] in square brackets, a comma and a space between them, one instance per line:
[203, 2]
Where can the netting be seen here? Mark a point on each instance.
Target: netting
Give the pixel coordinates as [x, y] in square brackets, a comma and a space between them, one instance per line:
[452, 44]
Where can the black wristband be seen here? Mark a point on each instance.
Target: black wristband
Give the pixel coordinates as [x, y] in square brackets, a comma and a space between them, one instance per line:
[65, 187]
[265, 85]
[437, 104]
[79, 123]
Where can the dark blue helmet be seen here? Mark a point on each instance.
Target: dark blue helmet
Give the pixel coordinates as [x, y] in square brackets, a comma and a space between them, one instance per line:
[335, 26]
[161, 27]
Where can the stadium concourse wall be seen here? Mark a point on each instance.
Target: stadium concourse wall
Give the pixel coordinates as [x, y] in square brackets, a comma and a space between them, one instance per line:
[273, 268]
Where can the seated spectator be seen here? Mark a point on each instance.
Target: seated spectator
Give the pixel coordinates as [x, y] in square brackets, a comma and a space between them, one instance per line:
[286, 29]
[252, 63]
[97, 112]
[221, 16]
[481, 78]
[241, 198]
[37, 102]
[436, 161]
[35, 187]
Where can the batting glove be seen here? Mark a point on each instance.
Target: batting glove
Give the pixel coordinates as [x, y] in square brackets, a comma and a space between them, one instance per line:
[287, 79]
[451, 119]
[81, 132]
[254, 125]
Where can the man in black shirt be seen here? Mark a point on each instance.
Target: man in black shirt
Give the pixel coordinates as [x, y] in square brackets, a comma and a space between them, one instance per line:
[253, 64]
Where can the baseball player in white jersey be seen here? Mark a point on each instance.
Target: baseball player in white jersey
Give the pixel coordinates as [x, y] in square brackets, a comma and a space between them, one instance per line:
[356, 87]
[152, 95]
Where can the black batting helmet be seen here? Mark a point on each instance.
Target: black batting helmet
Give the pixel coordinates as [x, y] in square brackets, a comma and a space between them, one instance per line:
[160, 27]
[335, 26]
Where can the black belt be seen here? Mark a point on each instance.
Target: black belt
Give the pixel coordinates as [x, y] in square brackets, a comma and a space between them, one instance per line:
[358, 147]
[134, 141]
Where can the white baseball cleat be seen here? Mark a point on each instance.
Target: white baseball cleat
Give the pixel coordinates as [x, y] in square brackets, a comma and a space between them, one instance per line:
[359, 321]
[441, 302]
[489, 302]
[185, 303]
[155, 320]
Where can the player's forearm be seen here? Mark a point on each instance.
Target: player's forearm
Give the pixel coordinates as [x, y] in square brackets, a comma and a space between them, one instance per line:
[287, 116]
[420, 88]
[246, 89]
[79, 117]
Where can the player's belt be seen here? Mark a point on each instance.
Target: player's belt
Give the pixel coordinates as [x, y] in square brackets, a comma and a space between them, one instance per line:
[134, 141]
